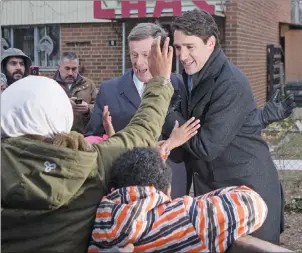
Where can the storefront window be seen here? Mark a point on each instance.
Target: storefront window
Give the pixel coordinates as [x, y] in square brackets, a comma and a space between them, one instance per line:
[48, 46]
[24, 40]
[40, 43]
[5, 40]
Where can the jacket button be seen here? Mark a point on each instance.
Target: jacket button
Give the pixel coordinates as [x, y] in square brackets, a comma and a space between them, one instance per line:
[196, 174]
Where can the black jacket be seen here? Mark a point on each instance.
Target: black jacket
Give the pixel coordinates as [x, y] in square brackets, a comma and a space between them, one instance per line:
[228, 149]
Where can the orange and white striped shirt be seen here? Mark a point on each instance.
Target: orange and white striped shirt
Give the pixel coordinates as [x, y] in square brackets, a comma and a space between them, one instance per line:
[152, 222]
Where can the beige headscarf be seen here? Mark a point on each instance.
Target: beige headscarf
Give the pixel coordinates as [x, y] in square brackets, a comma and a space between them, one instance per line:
[35, 105]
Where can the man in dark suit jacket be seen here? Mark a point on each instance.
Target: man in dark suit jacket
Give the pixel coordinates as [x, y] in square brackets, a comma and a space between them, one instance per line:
[228, 149]
[123, 100]
[123, 94]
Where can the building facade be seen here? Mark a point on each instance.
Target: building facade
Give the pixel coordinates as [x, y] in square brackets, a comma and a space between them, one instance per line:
[97, 31]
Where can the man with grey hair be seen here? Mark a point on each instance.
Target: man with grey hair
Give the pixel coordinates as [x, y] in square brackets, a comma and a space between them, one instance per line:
[80, 90]
[123, 94]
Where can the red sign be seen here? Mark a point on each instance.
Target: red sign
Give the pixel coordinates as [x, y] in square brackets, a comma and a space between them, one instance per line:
[140, 6]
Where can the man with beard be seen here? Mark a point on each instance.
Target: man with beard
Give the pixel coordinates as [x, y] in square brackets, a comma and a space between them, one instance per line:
[15, 65]
[80, 90]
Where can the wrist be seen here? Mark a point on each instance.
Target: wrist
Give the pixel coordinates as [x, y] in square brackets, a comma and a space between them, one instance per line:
[170, 144]
[162, 79]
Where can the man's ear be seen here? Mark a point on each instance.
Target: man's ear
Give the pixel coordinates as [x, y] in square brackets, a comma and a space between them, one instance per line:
[211, 43]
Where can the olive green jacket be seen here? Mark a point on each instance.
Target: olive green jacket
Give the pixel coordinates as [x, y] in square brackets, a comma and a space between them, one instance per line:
[50, 193]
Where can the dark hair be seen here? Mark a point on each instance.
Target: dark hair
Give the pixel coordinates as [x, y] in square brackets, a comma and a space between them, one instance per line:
[199, 23]
[141, 167]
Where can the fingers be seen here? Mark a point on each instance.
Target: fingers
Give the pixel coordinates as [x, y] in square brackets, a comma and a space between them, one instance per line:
[288, 105]
[155, 47]
[191, 123]
[105, 110]
[73, 104]
[166, 47]
[191, 129]
[275, 96]
[170, 54]
[194, 129]
[82, 105]
[188, 122]
[289, 109]
[107, 116]
[289, 99]
[176, 125]
[163, 147]
[192, 134]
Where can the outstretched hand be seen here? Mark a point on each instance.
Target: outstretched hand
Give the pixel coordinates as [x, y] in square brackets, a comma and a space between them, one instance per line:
[276, 109]
[181, 135]
[160, 61]
[107, 122]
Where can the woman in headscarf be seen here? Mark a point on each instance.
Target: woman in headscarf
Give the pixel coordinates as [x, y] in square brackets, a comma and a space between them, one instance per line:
[52, 180]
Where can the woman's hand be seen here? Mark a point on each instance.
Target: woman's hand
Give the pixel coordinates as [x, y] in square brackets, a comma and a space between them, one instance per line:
[107, 122]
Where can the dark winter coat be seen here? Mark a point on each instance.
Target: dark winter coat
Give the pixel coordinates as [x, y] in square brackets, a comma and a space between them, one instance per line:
[228, 149]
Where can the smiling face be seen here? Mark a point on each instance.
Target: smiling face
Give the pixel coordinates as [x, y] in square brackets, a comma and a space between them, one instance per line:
[192, 52]
[139, 51]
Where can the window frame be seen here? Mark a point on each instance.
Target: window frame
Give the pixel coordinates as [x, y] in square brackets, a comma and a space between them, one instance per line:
[36, 41]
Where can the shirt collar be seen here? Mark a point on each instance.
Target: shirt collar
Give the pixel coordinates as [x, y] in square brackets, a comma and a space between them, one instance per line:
[140, 86]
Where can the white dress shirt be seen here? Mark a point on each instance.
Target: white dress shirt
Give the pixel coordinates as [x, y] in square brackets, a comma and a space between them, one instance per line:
[140, 86]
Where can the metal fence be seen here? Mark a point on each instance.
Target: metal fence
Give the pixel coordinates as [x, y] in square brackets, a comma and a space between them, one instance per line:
[285, 146]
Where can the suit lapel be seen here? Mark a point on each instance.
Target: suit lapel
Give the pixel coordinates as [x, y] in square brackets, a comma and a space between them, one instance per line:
[204, 81]
[197, 96]
[128, 90]
[200, 92]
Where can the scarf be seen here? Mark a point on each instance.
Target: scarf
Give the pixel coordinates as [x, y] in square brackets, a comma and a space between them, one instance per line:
[35, 105]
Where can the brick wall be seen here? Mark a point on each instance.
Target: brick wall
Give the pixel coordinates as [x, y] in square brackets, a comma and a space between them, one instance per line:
[98, 60]
[250, 26]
